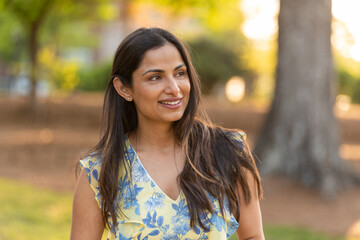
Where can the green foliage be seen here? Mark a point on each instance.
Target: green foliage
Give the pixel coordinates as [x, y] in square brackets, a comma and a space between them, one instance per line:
[28, 213]
[224, 16]
[349, 85]
[216, 16]
[12, 38]
[95, 78]
[27, 26]
[30, 11]
[355, 96]
[61, 22]
[348, 74]
[214, 61]
[60, 73]
[295, 233]
[72, 23]
[70, 33]
[292, 233]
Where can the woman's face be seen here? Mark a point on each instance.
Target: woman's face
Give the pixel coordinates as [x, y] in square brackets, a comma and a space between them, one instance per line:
[161, 85]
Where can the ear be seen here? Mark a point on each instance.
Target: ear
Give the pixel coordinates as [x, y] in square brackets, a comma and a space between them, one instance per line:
[121, 89]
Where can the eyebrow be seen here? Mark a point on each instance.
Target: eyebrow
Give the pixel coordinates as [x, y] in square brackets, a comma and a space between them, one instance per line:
[161, 71]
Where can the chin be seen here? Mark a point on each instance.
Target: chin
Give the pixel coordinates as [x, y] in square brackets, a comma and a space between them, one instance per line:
[175, 117]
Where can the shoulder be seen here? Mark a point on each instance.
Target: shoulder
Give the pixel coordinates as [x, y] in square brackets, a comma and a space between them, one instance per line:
[92, 166]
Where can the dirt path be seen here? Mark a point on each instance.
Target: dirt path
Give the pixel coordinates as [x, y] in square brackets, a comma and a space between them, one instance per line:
[42, 151]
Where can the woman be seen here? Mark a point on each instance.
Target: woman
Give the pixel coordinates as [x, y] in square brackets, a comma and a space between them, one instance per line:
[160, 170]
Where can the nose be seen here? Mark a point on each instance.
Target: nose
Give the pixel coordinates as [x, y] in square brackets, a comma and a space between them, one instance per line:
[172, 87]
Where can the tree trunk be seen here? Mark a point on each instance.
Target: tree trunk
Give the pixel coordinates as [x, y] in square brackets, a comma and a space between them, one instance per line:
[300, 137]
[31, 20]
[33, 48]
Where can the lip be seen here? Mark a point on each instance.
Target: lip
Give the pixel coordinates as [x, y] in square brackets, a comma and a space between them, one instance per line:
[171, 100]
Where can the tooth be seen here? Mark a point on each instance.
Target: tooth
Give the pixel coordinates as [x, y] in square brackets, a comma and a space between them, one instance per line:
[171, 103]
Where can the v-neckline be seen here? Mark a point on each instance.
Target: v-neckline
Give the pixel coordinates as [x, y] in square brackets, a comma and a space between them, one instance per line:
[149, 176]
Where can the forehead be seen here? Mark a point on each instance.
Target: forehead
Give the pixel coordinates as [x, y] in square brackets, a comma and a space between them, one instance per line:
[164, 56]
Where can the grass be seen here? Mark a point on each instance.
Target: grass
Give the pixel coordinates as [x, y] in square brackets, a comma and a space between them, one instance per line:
[29, 213]
[292, 233]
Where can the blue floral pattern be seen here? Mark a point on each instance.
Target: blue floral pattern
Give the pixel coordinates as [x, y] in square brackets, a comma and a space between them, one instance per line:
[155, 201]
[149, 212]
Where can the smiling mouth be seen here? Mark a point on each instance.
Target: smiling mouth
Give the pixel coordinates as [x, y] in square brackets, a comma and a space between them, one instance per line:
[171, 102]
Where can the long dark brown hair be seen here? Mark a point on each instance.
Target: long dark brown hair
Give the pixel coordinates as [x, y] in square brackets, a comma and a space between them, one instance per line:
[215, 163]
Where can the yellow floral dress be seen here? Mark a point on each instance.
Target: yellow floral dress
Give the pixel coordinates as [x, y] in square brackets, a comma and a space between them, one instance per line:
[150, 213]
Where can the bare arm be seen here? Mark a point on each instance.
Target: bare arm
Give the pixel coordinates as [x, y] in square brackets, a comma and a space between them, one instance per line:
[87, 221]
[250, 223]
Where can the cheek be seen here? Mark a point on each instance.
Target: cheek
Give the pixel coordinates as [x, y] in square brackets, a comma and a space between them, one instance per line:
[186, 86]
[146, 94]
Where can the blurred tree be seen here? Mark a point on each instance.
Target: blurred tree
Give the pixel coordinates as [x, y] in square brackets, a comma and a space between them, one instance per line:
[216, 16]
[95, 78]
[348, 85]
[214, 62]
[348, 73]
[33, 15]
[11, 36]
[300, 137]
[63, 74]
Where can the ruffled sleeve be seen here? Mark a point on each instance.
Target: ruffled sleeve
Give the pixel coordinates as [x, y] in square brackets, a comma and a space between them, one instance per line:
[92, 165]
[239, 136]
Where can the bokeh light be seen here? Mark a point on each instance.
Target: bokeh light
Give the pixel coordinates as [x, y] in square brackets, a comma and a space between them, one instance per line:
[347, 13]
[354, 231]
[46, 136]
[260, 18]
[235, 89]
[343, 102]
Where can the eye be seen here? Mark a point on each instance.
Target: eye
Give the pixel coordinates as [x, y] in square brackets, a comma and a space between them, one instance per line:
[181, 74]
[155, 77]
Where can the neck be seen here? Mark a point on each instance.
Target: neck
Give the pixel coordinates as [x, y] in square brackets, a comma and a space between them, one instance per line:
[156, 136]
